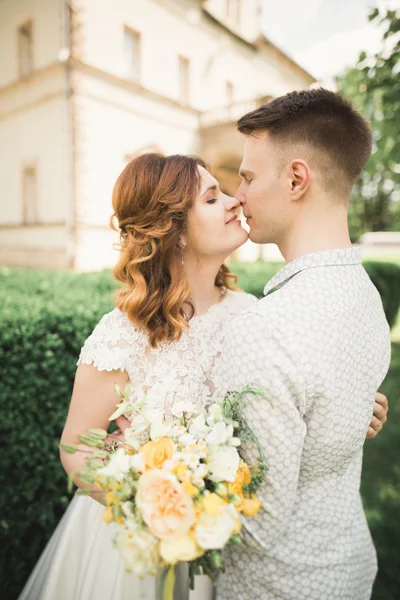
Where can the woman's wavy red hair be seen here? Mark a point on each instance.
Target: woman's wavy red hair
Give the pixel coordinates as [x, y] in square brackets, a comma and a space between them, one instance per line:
[151, 200]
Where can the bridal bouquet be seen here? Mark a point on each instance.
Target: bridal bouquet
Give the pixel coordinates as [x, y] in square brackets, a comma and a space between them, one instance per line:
[177, 488]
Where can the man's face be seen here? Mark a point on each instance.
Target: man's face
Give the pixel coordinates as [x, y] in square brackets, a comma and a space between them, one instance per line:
[263, 192]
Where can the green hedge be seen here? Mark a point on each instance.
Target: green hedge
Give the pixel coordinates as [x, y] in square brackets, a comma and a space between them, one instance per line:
[45, 318]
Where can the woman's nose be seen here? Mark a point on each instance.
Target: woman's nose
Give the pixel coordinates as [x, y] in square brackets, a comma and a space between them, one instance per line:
[231, 203]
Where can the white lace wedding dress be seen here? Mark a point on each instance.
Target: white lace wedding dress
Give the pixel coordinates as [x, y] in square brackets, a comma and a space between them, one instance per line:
[80, 562]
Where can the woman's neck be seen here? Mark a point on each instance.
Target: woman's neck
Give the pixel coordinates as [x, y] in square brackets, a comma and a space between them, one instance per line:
[201, 279]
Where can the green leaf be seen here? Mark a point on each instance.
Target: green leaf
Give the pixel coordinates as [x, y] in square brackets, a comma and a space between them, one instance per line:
[89, 441]
[100, 434]
[68, 448]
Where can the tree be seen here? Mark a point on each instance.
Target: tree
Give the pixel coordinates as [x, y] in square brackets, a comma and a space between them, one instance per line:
[373, 86]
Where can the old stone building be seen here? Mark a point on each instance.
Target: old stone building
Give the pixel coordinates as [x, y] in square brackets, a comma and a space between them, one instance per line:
[87, 84]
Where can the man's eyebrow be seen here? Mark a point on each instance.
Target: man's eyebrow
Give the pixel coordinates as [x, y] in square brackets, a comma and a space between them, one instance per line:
[245, 173]
[212, 187]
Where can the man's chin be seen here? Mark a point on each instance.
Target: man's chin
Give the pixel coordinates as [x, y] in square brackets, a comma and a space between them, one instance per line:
[257, 236]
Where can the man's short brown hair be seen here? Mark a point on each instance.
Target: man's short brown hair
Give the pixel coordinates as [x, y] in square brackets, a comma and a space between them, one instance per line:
[321, 120]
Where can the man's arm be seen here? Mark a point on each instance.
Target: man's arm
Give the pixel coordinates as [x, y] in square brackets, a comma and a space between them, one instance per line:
[379, 418]
[256, 353]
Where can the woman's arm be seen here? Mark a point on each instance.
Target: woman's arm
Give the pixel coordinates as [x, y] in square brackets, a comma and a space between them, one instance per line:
[93, 401]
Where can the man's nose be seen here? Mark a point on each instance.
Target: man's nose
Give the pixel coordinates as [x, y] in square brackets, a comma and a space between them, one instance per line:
[231, 203]
[240, 196]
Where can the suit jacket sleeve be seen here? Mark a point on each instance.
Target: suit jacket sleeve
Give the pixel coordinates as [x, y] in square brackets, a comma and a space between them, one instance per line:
[258, 353]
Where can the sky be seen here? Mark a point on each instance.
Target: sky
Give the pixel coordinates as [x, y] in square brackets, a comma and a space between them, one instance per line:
[323, 36]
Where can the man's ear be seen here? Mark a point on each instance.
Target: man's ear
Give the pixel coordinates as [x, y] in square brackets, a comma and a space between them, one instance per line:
[299, 173]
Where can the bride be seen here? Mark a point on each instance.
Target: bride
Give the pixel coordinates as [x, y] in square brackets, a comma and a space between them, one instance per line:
[164, 336]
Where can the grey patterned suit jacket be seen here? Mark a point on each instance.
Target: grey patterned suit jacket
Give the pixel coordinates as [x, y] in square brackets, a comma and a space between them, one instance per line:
[320, 347]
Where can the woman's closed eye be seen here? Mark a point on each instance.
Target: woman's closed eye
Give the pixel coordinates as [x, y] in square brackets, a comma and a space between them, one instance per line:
[211, 201]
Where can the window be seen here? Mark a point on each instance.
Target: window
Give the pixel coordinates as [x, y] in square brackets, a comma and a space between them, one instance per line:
[132, 40]
[29, 195]
[184, 80]
[233, 11]
[229, 92]
[25, 49]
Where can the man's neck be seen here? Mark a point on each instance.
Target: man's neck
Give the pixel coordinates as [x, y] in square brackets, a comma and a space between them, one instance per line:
[325, 232]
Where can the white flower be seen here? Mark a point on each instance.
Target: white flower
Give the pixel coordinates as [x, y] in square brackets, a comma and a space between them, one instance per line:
[119, 464]
[183, 406]
[139, 550]
[180, 550]
[136, 439]
[215, 414]
[159, 430]
[223, 463]
[186, 439]
[220, 433]
[137, 462]
[198, 427]
[214, 531]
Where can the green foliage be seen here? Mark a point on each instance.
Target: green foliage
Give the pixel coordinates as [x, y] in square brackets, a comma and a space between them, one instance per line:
[386, 277]
[380, 489]
[253, 276]
[373, 85]
[45, 318]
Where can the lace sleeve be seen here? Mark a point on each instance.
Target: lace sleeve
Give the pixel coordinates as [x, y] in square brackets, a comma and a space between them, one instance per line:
[112, 343]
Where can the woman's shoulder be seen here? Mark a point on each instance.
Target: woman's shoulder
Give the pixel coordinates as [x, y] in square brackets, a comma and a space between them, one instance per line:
[240, 300]
[111, 342]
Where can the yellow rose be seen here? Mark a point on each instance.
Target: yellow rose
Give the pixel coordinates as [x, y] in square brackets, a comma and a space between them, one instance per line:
[238, 527]
[190, 489]
[155, 453]
[212, 504]
[243, 478]
[111, 498]
[181, 471]
[107, 515]
[180, 549]
[250, 506]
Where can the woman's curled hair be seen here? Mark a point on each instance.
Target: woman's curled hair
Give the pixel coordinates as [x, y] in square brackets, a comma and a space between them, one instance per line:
[151, 200]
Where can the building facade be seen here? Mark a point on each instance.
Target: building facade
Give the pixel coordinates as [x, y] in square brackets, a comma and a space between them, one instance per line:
[85, 85]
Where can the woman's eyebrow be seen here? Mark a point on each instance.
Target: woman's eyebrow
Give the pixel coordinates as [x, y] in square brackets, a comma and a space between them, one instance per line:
[212, 187]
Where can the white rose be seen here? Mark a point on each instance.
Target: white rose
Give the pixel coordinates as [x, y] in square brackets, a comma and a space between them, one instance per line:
[139, 550]
[180, 549]
[119, 464]
[213, 531]
[223, 463]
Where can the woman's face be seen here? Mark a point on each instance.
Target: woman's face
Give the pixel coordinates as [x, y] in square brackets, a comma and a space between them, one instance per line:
[213, 226]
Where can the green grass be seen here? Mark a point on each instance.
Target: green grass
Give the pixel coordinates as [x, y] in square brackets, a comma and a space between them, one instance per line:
[381, 488]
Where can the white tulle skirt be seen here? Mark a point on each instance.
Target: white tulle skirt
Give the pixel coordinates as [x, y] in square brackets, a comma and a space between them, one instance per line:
[81, 563]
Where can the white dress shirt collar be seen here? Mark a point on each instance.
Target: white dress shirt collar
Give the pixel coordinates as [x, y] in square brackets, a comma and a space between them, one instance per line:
[323, 258]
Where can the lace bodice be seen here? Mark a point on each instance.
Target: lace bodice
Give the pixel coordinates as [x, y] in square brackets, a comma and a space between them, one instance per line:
[173, 371]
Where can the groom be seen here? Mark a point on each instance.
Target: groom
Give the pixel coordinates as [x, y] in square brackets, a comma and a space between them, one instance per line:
[318, 343]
